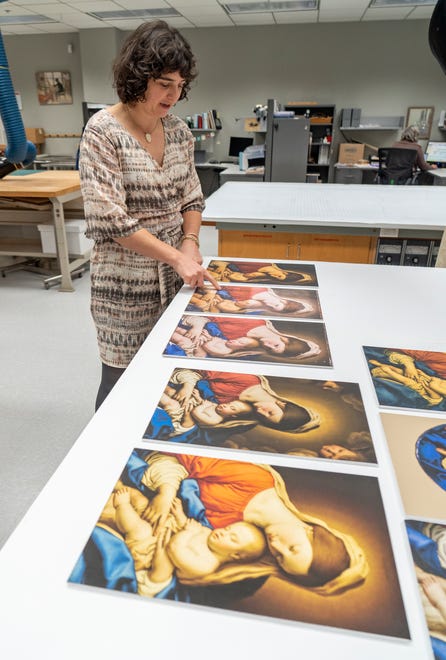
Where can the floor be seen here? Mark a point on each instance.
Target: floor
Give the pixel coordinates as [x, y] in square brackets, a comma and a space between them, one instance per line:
[48, 382]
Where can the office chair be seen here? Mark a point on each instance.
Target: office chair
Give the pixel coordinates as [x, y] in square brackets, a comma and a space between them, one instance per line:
[396, 166]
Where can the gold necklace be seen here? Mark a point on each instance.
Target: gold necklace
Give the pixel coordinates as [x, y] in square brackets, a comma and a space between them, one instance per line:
[147, 134]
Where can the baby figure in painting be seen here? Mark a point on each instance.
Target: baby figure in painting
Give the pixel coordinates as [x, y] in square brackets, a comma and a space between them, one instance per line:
[201, 411]
[197, 550]
[431, 388]
[194, 551]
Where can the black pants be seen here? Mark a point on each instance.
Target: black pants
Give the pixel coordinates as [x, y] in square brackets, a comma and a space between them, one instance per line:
[110, 376]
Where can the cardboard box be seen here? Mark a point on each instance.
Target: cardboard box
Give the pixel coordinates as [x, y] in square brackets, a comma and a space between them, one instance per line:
[35, 135]
[77, 242]
[350, 153]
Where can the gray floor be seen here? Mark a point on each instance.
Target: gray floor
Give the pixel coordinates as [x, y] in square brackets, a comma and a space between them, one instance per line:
[48, 381]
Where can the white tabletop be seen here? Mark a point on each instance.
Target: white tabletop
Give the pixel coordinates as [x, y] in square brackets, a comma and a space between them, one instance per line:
[329, 204]
[44, 617]
[440, 172]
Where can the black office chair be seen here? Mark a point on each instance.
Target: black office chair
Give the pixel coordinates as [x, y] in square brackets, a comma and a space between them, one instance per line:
[396, 166]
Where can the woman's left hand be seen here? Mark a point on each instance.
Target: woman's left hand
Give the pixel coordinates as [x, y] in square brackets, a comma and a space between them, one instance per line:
[191, 249]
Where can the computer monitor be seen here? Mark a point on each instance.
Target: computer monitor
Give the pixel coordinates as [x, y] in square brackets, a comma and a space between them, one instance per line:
[238, 144]
[436, 152]
[89, 109]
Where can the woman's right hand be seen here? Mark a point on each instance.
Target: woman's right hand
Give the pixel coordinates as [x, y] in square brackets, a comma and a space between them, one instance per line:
[192, 273]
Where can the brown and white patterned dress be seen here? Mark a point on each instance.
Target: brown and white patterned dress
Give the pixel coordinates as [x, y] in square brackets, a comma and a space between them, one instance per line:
[124, 190]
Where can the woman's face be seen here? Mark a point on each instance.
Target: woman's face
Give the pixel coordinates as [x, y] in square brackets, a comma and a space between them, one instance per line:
[162, 93]
[242, 343]
[290, 545]
[216, 346]
[276, 344]
[276, 304]
[271, 410]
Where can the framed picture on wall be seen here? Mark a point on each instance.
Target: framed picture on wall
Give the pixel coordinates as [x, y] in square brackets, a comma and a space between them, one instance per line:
[422, 119]
[54, 87]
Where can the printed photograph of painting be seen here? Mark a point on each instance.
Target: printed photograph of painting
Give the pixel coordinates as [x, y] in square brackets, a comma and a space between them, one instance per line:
[405, 378]
[298, 417]
[281, 542]
[256, 301]
[427, 543]
[54, 87]
[263, 272]
[252, 340]
[417, 447]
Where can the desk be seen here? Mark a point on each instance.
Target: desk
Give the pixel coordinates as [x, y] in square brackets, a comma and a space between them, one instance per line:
[43, 617]
[439, 176]
[353, 210]
[55, 163]
[56, 188]
[355, 173]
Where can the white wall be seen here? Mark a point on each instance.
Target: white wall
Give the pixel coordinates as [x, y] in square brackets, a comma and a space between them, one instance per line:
[381, 67]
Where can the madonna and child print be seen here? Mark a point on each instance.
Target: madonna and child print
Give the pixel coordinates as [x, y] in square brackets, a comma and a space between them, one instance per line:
[288, 543]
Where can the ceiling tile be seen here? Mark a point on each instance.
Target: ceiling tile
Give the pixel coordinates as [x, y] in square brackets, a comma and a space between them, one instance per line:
[421, 12]
[77, 19]
[386, 14]
[93, 5]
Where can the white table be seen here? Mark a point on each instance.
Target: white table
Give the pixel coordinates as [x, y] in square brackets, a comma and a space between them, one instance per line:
[329, 207]
[43, 617]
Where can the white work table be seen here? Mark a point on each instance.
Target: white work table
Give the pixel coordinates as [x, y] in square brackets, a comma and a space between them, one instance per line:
[330, 204]
[44, 617]
[329, 207]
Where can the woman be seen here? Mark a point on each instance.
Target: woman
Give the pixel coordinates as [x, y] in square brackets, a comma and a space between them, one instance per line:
[252, 271]
[223, 336]
[247, 300]
[239, 404]
[408, 140]
[303, 547]
[142, 196]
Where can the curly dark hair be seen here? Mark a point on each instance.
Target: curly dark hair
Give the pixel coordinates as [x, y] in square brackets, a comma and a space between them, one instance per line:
[152, 49]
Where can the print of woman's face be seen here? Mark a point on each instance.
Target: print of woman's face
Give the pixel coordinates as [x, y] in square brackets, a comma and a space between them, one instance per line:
[276, 304]
[275, 344]
[242, 342]
[271, 410]
[290, 545]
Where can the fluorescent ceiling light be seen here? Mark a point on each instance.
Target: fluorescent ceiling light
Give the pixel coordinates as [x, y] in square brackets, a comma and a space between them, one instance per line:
[273, 6]
[162, 12]
[401, 3]
[28, 19]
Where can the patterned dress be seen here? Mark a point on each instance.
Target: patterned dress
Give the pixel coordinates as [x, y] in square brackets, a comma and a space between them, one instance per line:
[124, 190]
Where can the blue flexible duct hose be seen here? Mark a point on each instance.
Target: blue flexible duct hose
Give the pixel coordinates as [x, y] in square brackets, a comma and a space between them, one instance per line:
[19, 149]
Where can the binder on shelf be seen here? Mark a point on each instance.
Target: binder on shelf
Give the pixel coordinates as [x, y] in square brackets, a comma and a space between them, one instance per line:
[356, 116]
[346, 117]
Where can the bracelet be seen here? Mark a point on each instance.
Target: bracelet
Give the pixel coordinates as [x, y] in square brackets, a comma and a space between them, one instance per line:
[189, 237]
[191, 233]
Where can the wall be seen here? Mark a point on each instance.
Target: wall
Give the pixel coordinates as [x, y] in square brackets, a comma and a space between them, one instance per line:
[381, 67]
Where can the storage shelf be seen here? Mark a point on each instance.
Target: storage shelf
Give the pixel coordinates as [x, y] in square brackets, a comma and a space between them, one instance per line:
[370, 128]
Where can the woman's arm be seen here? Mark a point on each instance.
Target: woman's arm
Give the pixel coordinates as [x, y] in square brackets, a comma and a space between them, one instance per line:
[184, 261]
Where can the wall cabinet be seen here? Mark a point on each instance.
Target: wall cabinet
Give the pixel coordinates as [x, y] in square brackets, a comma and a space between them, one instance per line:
[255, 244]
